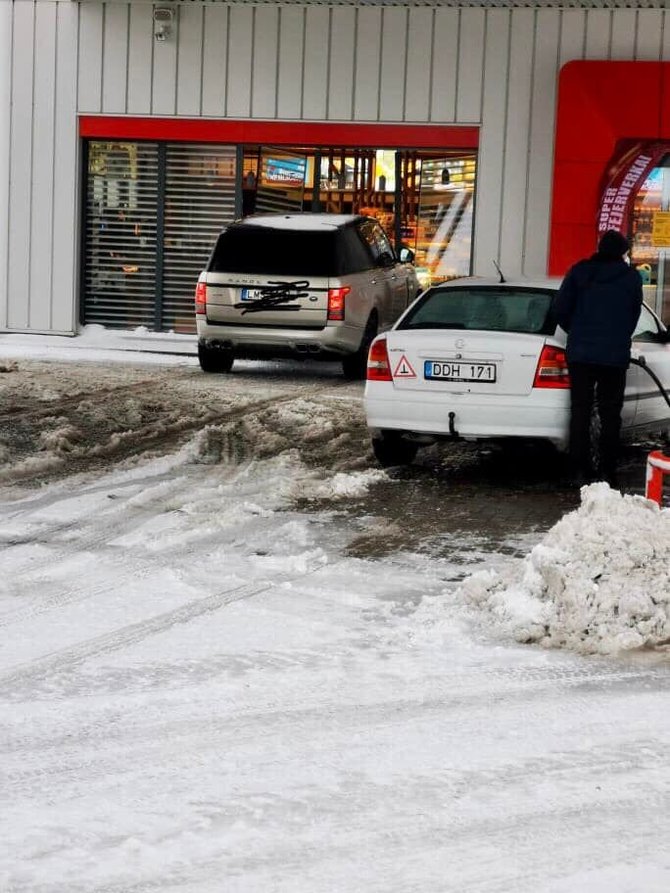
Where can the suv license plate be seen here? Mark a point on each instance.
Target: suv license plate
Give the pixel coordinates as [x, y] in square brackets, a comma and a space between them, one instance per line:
[251, 294]
[459, 371]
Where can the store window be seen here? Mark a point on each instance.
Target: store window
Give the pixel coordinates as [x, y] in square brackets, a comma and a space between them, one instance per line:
[650, 237]
[423, 199]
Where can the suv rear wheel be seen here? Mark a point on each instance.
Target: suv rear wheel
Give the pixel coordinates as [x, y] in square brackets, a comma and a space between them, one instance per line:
[355, 365]
[215, 359]
[391, 449]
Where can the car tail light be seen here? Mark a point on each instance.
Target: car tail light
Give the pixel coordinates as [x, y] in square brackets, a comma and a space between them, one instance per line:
[201, 298]
[336, 298]
[379, 368]
[552, 369]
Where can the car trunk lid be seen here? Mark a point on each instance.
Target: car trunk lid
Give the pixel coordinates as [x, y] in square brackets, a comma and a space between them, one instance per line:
[453, 361]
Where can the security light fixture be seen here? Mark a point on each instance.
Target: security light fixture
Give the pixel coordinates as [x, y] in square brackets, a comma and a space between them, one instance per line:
[163, 21]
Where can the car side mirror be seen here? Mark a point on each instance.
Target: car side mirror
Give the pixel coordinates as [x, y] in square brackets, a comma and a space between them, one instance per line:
[406, 255]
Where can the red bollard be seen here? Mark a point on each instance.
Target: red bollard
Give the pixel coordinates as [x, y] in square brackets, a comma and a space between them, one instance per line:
[657, 466]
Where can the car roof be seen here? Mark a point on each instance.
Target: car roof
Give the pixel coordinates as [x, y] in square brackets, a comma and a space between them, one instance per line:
[548, 283]
[307, 221]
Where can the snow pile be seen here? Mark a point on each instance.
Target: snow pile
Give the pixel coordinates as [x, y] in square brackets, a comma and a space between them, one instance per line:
[341, 485]
[598, 583]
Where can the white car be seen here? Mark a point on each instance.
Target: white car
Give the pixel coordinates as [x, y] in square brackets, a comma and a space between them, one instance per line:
[478, 359]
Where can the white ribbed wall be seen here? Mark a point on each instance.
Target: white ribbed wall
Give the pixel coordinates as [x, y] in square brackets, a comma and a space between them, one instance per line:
[496, 67]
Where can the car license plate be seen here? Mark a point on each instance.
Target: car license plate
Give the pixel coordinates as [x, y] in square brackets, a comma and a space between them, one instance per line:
[251, 294]
[459, 371]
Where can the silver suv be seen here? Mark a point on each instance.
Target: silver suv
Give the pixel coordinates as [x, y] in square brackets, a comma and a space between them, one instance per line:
[300, 285]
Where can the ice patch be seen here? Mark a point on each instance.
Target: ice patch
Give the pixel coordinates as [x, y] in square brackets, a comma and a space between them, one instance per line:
[598, 583]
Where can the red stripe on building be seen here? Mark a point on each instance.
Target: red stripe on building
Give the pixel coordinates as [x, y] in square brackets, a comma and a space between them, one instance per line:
[293, 133]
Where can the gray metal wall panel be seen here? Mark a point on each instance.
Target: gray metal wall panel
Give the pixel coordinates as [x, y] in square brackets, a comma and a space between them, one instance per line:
[140, 60]
[573, 35]
[341, 63]
[215, 61]
[541, 146]
[489, 188]
[368, 48]
[517, 135]
[419, 61]
[648, 46]
[470, 57]
[66, 181]
[20, 190]
[444, 75]
[264, 62]
[115, 59]
[598, 34]
[624, 28]
[291, 56]
[315, 70]
[189, 60]
[91, 26]
[240, 48]
[393, 64]
[6, 29]
[164, 78]
[42, 174]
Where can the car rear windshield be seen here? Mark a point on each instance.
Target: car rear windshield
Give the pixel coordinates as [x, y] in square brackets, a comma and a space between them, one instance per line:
[483, 308]
[279, 252]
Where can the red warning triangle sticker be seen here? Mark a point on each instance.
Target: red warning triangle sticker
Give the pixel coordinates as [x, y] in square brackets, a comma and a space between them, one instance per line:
[404, 369]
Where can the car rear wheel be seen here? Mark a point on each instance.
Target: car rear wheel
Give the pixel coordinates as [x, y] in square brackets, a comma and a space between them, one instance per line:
[355, 365]
[215, 359]
[391, 449]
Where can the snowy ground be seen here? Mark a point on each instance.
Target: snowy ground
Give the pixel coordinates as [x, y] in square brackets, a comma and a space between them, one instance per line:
[209, 686]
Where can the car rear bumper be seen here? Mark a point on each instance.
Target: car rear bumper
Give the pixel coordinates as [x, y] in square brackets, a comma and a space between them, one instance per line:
[542, 414]
[258, 341]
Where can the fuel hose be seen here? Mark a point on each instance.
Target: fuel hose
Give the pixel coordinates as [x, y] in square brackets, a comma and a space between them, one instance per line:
[642, 363]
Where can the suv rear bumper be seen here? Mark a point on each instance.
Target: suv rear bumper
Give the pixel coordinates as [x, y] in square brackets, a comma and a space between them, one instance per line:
[333, 341]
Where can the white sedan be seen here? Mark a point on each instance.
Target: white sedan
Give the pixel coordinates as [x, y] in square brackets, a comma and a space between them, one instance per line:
[479, 359]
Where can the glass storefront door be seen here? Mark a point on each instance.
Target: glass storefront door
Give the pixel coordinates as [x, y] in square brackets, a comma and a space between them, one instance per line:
[649, 254]
[442, 216]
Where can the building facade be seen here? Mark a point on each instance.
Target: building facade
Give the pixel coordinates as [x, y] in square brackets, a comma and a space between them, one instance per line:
[478, 132]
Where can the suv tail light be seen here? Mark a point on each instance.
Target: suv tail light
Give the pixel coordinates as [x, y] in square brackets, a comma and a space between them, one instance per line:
[552, 369]
[336, 298]
[379, 368]
[201, 298]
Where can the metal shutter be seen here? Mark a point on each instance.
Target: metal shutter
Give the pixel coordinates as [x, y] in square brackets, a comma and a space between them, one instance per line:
[120, 234]
[199, 202]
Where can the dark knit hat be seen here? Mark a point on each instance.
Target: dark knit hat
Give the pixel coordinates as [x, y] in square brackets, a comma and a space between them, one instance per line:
[613, 245]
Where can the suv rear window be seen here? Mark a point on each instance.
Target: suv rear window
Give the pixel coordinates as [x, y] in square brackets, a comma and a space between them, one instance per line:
[483, 308]
[281, 252]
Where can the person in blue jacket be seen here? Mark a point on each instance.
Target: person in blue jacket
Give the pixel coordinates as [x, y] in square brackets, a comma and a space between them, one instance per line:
[598, 305]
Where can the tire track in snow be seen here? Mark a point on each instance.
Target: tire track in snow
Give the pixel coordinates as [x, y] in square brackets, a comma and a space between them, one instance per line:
[136, 632]
[55, 407]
